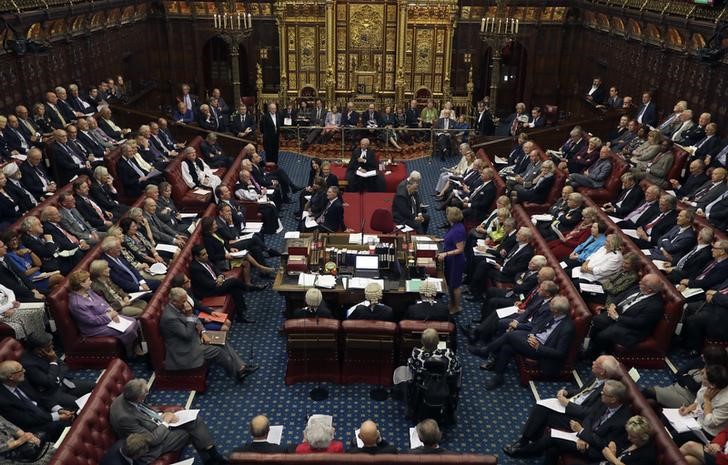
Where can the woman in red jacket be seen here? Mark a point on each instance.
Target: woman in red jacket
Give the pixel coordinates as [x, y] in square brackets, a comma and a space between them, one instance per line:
[714, 453]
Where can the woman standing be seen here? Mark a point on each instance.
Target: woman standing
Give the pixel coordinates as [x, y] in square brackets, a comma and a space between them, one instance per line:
[452, 254]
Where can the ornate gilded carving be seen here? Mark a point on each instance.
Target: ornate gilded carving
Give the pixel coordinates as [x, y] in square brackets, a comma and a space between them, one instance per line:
[292, 39]
[389, 66]
[424, 50]
[366, 26]
[341, 62]
[307, 52]
[440, 40]
[341, 38]
[391, 39]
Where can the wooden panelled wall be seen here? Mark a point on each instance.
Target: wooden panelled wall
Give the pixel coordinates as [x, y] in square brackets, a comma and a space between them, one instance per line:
[85, 59]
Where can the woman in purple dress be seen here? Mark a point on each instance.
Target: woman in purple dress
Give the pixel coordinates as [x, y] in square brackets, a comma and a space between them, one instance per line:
[452, 254]
[92, 313]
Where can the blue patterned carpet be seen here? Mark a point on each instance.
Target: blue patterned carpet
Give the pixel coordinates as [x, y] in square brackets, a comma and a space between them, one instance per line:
[486, 421]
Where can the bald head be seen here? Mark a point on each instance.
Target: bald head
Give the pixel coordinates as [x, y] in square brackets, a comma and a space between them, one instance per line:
[369, 433]
[259, 427]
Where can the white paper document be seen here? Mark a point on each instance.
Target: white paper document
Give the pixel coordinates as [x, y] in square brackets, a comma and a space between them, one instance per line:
[184, 416]
[366, 174]
[31, 305]
[414, 439]
[552, 404]
[576, 272]
[239, 253]
[188, 215]
[661, 264]
[158, 269]
[359, 442]
[404, 228]
[634, 374]
[563, 265]
[360, 239]
[135, 295]
[361, 283]
[681, 423]
[253, 226]
[200, 191]
[187, 461]
[593, 288]
[326, 281]
[506, 311]
[691, 291]
[166, 248]
[306, 280]
[544, 217]
[646, 252]
[81, 401]
[245, 237]
[500, 160]
[192, 227]
[121, 325]
[614, 219]
[275, 433]
[565, 435]
[292, 235]
[631, 233]
[310, 222]
[20, 156]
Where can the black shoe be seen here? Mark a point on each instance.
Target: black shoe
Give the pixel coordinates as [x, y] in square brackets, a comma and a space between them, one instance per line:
[488, 364]
[478, 350]
[475, 321]
[250, 369]
[295, 188]
[258, 287]
[494, 383]
[514, 450]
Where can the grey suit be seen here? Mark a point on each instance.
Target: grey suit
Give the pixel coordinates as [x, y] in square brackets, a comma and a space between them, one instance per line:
[707, 193]
[183, 346]
[161, 231]
[595, 177]
[126, 418]
[73, 221]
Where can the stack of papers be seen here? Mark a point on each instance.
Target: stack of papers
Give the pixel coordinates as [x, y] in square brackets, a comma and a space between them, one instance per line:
[166, 248]
[592, 288]
[292, 235]
[366, 174]
[413, 285]
[184, 416]
[361, 283]
[506, 311]
[120, 325]
[253, 226]
[566, 436]
[326, 281]
[306, 280]
[681, 423]
[275, 433]
[691, 291]
[552, 404]
[239, 253]
[158, 269]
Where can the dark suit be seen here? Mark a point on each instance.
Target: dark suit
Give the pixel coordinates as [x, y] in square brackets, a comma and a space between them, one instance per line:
[14, 279]
[68, 164]
[480, 201]
[357, 183]
[444, 137]
[90, 144]
[428, 450]
[105, 126]
[515, 262]
[406, 207]
[693, 135]
[379, 312]
[54, 115]
[262, 447]
[48, 379]
[331, 218]
[628, 201]
[46, 251]
[538, 191]
[129, 178]
[598, 95]
[30, 416]
[240, 122]
[113, 456]
[692, 265]
[271, 135]
[484, 123]
[16, 140]
[106, 199]
[648, 114]
[661, 224]
[710, 275]
[426, 311]
[21, 195]
[89, 213]
[707, 147]
[121, 277]
[675, 241]
[635, 323]
[383, 447]
[691, 185]
[205, 285]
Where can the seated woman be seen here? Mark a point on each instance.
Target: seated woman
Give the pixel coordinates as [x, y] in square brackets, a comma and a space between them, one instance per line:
[41, 120]
[605, 261]
[183, 114]
[714, 453]
[113, 294]
[389, 135]
[540, 186]
[137, 244]
[495, 229]
[220, 252]
[647, 150]
[416, 363]
[18, 446]
[93, 314]
[332, 124]
[456, 172]
[315, 306]
[710, 408]
[640, 450]
[30, 263]
[688, 379]
[562, 248]
[196, 173]
[590, 245]
[371, 309]
[317, 201]
[319, 437]
[627, 277]
[24, 321]
[635, 142]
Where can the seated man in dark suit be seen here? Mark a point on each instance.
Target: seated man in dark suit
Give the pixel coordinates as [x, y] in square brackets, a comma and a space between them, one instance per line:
[538, 189]
[35, 177]
[647, 211]
[603, 424]
[709, 320]
[371, 308]
[187, 345]
[132, 176]
[631, 320]
[128, 451]
[68, 162]
[407, 206]
[123, 274]
[628, 200]
[428, 431]
[26, 408]
[577, 402]
[259, 428]
[548, 343]
[241, 123]
[676, 241]
[331, 218]
[213, 154]
[109, 127]
[712, 273]
[693, 261]
[229, 231]
[696, 178]
[427, 308]
[129, 414]
[207, 281]
[102, 191]
[372, 441]
[41, 245]
[91, 211]
[48, 375]
[363, 160]
[477, 204]
[70, 247]
[509, 262]
[649, 233]
[315, 306]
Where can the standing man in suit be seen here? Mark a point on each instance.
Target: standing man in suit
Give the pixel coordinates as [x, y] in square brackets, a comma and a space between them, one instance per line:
[48, 375]
[407, 206]
[270, 126]
[241, 123]
[443, 135]
[187, 344]
[26, 408]
[596, 94]
[548, 342]
[129, 414]
[484, 120]
[631, 320]
[363, 159]
[259, 428]
[647, 113]
[577, 402]
[192, 102]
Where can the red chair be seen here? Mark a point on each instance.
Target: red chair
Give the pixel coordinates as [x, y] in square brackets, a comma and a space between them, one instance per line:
[313, 350]
[368, 352]
[382, 221]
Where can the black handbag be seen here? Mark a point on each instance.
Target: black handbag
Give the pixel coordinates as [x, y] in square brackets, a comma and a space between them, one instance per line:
[27, 453]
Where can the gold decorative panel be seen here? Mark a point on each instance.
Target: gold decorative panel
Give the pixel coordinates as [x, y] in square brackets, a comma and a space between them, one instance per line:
[307, 52]
[391, 39]
[366, 26]
[440, 40]
[424, 50]
[341, 62]
[292, 39]
[341, 38]
[390, 63]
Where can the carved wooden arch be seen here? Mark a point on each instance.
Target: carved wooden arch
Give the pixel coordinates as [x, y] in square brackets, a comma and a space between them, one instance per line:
[78, 24]
[127, 15]
[602, 21]
[36, 32]
[56, 28]
[674, 39]
[652, 33]
[141, 11]
[634, 29]
[617, 25]
[696, 41]
[422, 94]
[96, 20]
[590, 18]
[308, 91]
[112, 19]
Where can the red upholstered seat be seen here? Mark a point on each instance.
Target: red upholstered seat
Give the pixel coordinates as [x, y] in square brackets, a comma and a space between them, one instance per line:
[10, 349]
[612, 185]
[410, 333]
[250, 458]
[368, 351]
[313, 350]
[382, 221]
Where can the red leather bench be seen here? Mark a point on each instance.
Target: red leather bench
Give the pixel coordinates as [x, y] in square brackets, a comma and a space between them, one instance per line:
[611, 187]
[91, 434]
[10, 349]
[581, 316]
[368, 352]
[313, 350]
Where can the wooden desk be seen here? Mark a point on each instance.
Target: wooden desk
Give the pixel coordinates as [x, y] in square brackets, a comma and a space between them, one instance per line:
[339, 299]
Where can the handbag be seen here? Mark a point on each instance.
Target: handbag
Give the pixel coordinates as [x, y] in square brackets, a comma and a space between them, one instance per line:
[27, 453]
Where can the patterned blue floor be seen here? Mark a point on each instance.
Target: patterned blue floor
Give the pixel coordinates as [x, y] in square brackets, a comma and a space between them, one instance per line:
[486, 421]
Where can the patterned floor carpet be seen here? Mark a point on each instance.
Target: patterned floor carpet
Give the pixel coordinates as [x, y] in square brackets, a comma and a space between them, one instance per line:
[486, 421]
